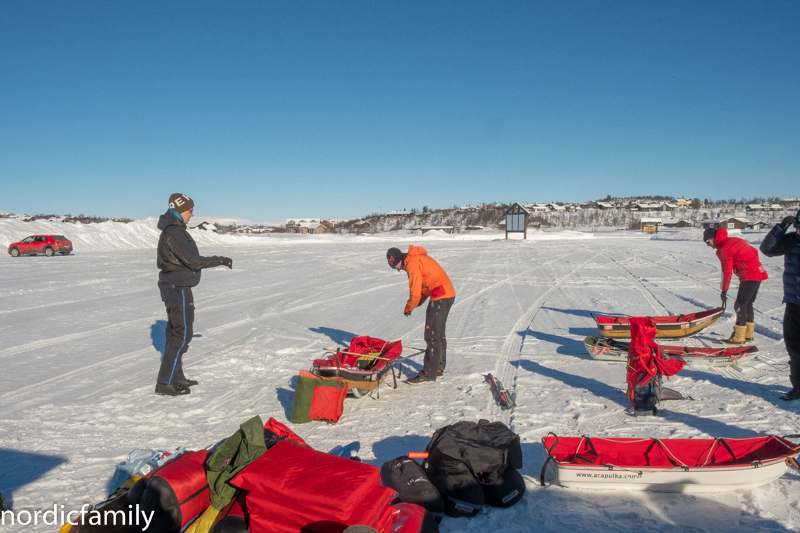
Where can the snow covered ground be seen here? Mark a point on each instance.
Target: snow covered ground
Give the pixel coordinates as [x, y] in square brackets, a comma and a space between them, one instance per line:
[82, 337]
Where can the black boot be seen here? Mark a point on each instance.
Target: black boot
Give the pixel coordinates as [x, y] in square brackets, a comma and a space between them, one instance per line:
[422, 377]
[186, 382]
[172, 390]
[792, 395]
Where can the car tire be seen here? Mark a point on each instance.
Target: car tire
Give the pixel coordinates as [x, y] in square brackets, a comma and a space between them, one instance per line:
[49, 252]
[14, 252]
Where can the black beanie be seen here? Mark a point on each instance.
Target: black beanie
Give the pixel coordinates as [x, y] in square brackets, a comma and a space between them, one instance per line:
[709, 233]
[394, 256]
[180, 203]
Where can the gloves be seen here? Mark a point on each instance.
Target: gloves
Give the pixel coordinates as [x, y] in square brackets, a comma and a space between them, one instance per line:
[407, 313]
[786, 222]
[724, 297]
[227, 261]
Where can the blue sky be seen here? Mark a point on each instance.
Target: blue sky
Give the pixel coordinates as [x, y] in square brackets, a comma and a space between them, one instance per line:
[266, 110]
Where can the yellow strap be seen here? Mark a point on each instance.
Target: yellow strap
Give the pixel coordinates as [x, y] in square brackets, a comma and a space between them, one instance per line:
[204, 522]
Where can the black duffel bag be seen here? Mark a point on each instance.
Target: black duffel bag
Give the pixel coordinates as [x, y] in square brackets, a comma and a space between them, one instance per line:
[484, 449]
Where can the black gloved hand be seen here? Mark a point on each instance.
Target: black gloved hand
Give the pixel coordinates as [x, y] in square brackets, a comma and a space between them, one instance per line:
[407, 313]
[227, 261]
[787, 222]
[724, 297]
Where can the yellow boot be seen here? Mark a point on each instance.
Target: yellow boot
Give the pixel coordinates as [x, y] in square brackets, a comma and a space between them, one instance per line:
[737, 337]
[750, 332]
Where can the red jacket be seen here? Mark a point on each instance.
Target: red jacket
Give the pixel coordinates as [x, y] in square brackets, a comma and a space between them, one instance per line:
[738, 257]
[645, 359]
[425, 278]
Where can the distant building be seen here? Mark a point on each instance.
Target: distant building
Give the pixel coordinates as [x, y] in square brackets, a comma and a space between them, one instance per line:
[311, 227]
[207, 226]
[426, 229]
[678, 224]
[402, 213]
[759, 225]
[650, 225]
[725, 223]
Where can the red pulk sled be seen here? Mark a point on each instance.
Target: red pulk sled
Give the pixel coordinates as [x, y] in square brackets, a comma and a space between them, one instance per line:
[668, 465]
[364, 365]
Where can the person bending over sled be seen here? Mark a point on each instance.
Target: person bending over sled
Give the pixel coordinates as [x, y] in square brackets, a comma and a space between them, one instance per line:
[180, 264]
[786, 242]
[736, 256]
[646, 365]
[426, 278]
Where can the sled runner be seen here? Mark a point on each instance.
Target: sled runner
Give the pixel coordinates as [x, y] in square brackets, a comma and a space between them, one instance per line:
[607, 349]
[672, 326]
[668, 465]
[365, 364]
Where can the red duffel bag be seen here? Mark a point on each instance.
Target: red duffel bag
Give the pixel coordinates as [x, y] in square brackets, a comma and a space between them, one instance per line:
[291, 488]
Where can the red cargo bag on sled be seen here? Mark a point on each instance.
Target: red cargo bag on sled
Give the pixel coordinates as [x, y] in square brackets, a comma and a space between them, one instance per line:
[317, 398]
[291, 488]
[176, 492]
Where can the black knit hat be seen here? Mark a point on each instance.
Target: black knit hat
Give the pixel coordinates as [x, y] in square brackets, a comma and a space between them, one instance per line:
[709, 233]
[180, 203]
[394, 256]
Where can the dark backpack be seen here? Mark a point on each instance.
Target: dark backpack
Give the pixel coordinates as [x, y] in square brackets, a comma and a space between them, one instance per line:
[408, 478]
[485, 450]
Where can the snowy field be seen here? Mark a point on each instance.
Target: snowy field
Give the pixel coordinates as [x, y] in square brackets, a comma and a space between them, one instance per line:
[82, 336]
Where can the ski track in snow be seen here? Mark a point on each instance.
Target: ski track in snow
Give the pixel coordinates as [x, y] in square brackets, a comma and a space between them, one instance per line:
[82, 334]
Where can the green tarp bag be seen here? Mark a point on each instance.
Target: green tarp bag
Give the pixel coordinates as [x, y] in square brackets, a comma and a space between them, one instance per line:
[316, 398]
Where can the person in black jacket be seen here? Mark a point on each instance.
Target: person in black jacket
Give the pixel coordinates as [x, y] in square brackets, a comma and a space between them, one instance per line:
[781, 241]
[180, 264]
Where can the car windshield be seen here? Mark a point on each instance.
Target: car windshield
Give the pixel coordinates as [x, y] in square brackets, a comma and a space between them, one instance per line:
[27, 239]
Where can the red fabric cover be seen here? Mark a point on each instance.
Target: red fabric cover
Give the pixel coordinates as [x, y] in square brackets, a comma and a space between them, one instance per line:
[363, 346]
[648, 453]
[645, 359]
[293, 488]
[282, 431]
[327, 403]
[186, 474]
[737, 257]
[408, 518]
[670, 319]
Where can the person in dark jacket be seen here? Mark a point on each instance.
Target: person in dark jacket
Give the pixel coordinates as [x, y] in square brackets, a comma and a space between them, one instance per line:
[180, 264]
[783, 241]
[738, 257]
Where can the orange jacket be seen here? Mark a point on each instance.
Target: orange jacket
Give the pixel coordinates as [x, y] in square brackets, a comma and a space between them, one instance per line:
[425, 278]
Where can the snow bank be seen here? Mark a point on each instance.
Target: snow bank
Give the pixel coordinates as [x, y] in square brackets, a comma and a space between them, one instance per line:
[101, 237]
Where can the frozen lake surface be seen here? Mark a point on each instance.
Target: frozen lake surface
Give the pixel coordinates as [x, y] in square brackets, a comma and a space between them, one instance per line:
[82, 336]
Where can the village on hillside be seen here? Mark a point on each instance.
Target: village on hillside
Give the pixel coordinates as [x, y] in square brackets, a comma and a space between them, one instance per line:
[646, 214]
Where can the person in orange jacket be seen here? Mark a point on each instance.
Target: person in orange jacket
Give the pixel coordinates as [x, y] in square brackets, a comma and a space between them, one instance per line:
[427, 279]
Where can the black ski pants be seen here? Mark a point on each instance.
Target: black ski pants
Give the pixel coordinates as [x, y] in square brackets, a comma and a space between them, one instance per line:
[435, 338]
[791, 337]
[180, 318]
[743, 306]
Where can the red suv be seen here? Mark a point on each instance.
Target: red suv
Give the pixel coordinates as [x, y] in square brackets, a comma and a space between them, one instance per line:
[41, 244]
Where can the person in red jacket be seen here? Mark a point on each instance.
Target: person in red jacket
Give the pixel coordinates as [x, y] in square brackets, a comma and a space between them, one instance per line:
[427, 279]
[736, 256]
